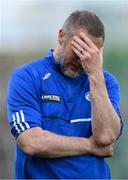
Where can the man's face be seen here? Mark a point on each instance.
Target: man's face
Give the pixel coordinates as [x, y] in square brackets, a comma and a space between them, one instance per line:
[69, 61]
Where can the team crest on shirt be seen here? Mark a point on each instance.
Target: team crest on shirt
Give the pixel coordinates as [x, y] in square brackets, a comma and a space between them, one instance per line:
[88, 96]
[50, 97]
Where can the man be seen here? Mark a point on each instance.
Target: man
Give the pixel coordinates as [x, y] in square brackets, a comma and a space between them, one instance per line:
[64, 109]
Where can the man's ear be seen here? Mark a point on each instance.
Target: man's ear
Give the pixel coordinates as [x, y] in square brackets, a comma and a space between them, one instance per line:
[61, 36]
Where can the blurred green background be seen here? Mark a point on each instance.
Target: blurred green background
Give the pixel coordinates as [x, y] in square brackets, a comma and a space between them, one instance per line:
[28, 28]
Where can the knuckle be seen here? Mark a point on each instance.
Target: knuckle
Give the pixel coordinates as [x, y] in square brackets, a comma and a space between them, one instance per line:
[92, 52]
[88, 56]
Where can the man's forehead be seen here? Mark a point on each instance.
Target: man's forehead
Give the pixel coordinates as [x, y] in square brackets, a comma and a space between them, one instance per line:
[98, 41]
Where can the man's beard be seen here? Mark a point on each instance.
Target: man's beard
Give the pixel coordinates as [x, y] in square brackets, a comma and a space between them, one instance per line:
[66, 69]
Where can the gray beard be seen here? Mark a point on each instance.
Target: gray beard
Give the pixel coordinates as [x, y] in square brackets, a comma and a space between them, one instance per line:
[65, 69]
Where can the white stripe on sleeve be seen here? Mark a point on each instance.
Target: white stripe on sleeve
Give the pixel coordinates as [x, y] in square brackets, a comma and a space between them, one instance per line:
[23, 119]
[18, 121]
[14, 120]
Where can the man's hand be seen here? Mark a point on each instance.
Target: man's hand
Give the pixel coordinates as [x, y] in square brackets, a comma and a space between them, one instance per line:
[90, 56]
[103, 151]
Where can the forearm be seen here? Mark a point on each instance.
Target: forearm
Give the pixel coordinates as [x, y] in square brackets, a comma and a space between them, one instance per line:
[62, 146]
[105, 121]
[38, 142]
[50, 145]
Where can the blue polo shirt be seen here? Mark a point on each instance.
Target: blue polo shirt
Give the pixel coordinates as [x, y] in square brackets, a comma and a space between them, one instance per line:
[40, 95]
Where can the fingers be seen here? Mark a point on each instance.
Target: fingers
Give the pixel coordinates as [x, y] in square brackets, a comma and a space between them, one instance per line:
[77, 52]
[80, 52]
[89, 55]
[80, 48]
[88, 41]
[87, 46]
[80, 44]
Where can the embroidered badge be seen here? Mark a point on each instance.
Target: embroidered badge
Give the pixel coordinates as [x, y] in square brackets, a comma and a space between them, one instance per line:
[52, 97]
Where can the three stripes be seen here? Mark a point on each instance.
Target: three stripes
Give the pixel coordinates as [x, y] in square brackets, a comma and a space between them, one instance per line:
[19, 124]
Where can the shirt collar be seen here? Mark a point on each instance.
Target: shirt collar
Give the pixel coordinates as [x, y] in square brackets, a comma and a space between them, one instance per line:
[55, 63]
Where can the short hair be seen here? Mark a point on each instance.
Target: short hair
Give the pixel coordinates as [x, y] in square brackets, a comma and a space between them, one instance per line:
[86, 20]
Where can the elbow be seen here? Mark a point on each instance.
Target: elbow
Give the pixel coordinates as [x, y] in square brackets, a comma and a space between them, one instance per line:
[105, 139]
[34, 143]
[27, 148]
[31, 148]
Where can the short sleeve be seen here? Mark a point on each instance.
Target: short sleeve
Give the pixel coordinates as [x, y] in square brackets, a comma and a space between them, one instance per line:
[23, 104]
[114, 95]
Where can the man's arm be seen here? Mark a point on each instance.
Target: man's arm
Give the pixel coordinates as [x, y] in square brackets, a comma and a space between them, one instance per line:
[38, 142]
[24, 115]
[105, 121]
